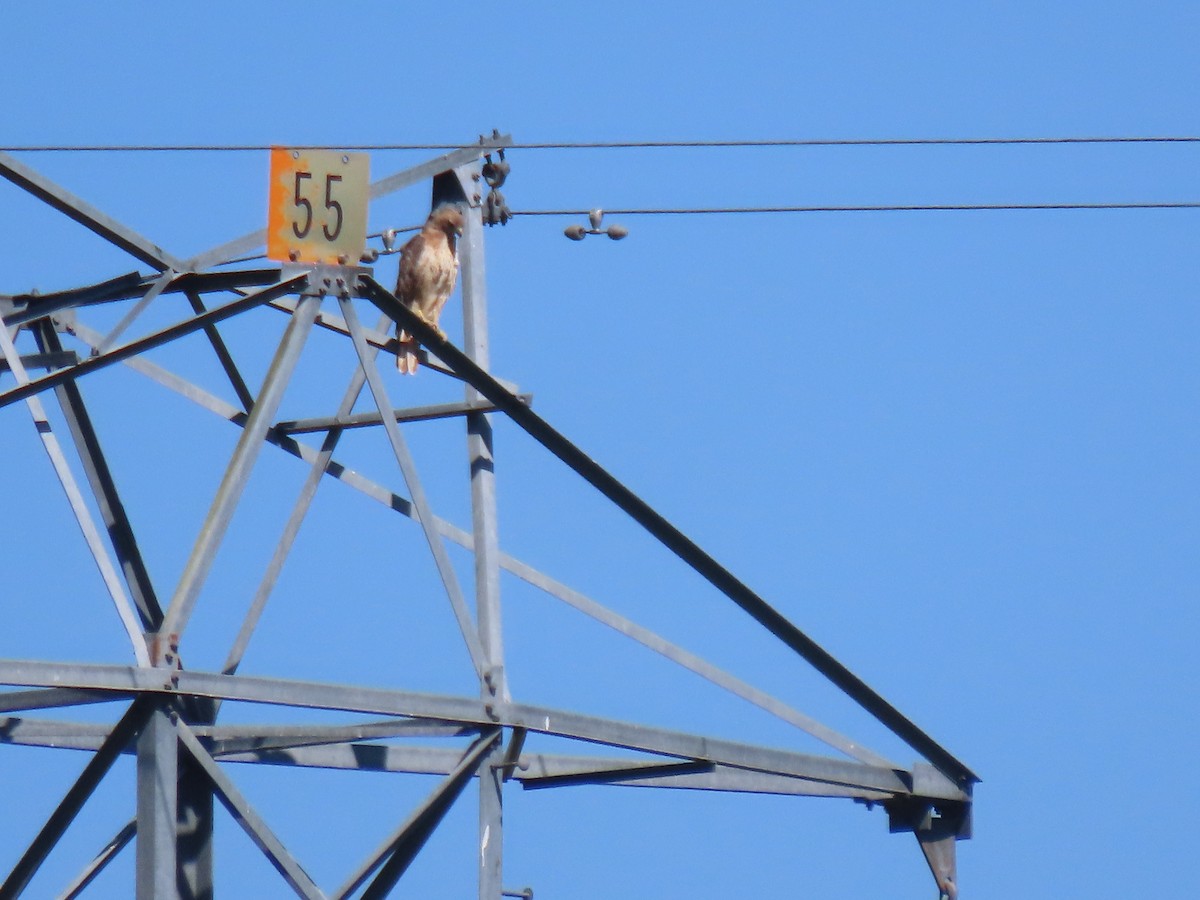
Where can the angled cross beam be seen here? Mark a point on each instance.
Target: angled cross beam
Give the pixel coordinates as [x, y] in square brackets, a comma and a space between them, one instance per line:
[93, 773]
[672, 538]
[246, 816]
[112, 510]
[82, 514]
[424, 514]
[522, 570]
[87, 215]
[126, 351]
[398, 851]
[238, 471]
[299, 510]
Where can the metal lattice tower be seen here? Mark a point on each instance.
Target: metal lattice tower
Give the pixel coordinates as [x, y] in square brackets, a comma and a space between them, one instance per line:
[167, 713]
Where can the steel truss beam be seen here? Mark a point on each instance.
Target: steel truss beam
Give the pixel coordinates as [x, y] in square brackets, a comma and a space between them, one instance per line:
[25, 308]
[398, 851]
[469, 711]
[522, 570]
[250, 821]
[79, 508]
[931, 801]
[112, 510]
[87, 215]
[424, 514]
[333, 748]
[126, 351]
[671, 537]
[238, 471]
[413, 414]
[93, 773]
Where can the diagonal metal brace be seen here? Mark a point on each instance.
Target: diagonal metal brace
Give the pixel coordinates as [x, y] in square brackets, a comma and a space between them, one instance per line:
[87, 215]
[118, 739]
[125, 351]
[671, 537]
[402, 847]
[253, 824]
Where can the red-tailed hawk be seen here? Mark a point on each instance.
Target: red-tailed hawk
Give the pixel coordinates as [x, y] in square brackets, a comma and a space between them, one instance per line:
[428, 269]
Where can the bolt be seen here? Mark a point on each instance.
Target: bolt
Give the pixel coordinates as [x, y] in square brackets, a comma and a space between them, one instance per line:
[293, 255]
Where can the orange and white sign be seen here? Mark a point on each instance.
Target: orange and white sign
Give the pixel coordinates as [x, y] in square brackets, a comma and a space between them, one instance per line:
[317, 206]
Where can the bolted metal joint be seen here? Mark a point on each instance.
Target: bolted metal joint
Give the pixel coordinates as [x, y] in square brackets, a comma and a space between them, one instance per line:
[324, 280]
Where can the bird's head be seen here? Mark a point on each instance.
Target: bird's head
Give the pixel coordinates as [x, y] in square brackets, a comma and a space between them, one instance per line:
[448, 219]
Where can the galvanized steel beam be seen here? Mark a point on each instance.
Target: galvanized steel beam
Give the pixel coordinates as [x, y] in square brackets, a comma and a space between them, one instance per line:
[292, 527]
[119, 354]
[484, 528]
[672, 538]
[424, 514]
[223, 355]
[402, 847]
[528, 769]
[249, 819]
[87, 215]
[157, 778]
[137, 309]
[557, 589]
[237, 473]
[93, 773]
[104, 488]
[51, 698]
[102, 859]
[368, 419]
[83, 516]
[537, 719]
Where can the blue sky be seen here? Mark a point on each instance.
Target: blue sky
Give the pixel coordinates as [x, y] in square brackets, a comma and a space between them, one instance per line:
[958, 449]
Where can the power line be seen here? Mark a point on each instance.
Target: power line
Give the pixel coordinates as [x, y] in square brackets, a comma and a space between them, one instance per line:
[738, 210]
[612, 145]
[930, 207]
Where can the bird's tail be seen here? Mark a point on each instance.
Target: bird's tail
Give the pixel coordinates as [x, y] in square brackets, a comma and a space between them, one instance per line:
[406, 357]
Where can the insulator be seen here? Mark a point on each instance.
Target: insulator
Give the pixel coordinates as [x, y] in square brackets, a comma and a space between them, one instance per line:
[596, 216]
[575, 232]
[616, 232]
[495, 173]
[495, 210]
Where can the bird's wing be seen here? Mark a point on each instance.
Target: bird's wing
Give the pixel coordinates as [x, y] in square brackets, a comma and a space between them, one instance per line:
[408, 282]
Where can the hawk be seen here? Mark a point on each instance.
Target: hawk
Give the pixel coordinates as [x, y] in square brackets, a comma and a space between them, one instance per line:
[428, 270]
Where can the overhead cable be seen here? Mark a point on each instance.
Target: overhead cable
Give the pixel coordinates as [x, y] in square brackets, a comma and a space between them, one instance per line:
[614, 145]
[926, 207]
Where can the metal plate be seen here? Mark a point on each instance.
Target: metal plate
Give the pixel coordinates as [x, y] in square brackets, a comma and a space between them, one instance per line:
[317, 206]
